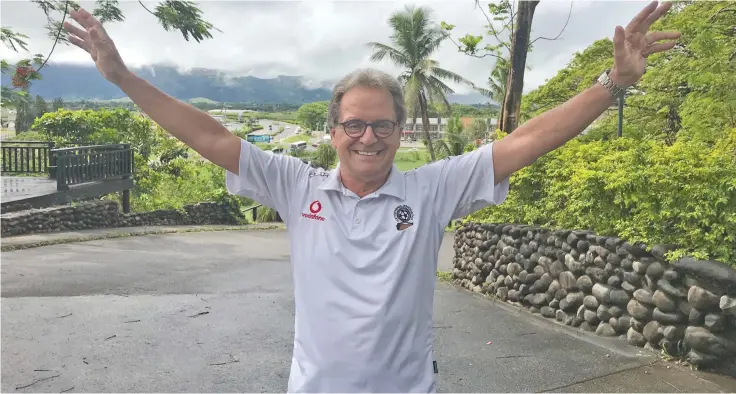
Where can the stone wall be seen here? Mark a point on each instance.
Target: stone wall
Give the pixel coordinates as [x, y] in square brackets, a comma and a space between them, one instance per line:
[605, 285]
[101, 214]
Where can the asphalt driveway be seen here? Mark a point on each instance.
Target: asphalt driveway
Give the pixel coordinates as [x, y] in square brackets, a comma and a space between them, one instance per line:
[213, 312]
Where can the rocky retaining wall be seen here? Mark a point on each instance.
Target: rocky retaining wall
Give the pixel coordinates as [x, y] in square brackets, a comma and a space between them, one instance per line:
[102, 214]
[605, 285]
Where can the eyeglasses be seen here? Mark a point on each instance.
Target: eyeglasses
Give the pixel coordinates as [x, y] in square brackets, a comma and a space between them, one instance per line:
[381, 128]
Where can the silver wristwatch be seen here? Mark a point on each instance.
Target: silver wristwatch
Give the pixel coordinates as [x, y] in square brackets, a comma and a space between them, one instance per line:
[606, 81]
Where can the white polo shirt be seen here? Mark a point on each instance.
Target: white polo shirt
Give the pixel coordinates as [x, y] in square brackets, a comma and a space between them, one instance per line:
[365, 269]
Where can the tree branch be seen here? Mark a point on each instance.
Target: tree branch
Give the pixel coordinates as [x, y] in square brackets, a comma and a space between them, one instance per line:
[493, 29]
[558, 34]
[146, 8]
[58, 34]
[460, 48]
[712, 17]
[512, 17]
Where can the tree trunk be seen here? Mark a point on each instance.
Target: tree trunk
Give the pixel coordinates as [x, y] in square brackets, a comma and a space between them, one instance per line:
[503, 105]
[425, 124]
[519, 50]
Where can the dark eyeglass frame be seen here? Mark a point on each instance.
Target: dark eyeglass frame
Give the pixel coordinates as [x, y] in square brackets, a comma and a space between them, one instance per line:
[365, 127]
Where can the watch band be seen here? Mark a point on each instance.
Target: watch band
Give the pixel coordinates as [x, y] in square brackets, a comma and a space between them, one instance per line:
[605, 80]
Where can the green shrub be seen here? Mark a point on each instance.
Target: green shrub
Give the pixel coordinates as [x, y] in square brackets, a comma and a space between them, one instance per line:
[98, 127]
[168, 175]
[639, 190]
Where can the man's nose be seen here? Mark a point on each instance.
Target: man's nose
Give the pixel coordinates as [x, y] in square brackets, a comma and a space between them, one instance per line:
[369, 137]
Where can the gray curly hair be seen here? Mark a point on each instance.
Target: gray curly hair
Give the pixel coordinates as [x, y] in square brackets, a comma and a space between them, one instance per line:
[367, 77]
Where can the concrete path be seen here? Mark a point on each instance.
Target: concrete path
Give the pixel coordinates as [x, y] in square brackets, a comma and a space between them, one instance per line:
[213, 312]
[44, 239]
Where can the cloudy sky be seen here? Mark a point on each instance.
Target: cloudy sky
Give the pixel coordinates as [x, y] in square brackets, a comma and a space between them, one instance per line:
[322, 40]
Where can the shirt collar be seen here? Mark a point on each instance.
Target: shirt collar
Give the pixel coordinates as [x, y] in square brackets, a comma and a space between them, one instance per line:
[395, 184]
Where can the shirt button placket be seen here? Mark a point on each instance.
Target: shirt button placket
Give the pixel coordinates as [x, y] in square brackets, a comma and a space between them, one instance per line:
[356, 215]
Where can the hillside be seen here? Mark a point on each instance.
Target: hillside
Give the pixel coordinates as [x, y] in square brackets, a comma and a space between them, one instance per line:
[74, 82]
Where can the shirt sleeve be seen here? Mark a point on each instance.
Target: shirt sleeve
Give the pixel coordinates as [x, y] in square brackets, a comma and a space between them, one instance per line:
[465, 184]
[268, 178]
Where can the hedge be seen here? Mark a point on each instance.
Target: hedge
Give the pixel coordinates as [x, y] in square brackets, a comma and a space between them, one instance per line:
[642, 191]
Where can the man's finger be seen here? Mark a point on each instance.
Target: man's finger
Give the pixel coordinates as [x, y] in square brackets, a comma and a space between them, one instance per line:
[655, 36]
[80, 43]
[641, 17]
[619, 44]
[84, 18]
[659, 47]
[76, 31]
[661, 10]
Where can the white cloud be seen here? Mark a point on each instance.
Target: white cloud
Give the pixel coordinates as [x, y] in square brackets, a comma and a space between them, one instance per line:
[321, 40]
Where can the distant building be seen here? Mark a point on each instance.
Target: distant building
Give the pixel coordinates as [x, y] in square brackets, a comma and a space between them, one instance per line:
[8, 118]
[436, 131]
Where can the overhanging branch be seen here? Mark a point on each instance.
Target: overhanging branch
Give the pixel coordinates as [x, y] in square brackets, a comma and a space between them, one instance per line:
[558, 34]
[460, 48]
[58, 34]
[146, 8]
[505, 26]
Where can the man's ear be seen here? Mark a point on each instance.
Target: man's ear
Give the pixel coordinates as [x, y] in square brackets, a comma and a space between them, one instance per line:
[332, 137]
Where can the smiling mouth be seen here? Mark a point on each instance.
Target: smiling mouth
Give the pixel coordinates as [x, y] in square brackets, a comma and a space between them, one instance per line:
[367, 153]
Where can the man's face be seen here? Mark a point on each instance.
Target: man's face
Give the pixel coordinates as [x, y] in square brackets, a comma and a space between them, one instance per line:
[367, 157]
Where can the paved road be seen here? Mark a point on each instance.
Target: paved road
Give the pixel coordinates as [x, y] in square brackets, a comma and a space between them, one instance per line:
[213, 312]
[275, 128]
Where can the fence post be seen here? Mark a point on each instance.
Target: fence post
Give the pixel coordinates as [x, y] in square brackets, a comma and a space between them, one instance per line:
[52, 161]
[128, 158]
[61, 172]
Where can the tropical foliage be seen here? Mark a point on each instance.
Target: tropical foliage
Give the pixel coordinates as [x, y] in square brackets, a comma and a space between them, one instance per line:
[168, 175]
[455, 140]
[415, 38]
[312, 116]
[672, 177]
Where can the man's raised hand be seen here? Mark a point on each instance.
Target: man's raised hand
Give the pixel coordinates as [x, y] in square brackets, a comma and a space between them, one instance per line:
[632, 45]
[93, 38]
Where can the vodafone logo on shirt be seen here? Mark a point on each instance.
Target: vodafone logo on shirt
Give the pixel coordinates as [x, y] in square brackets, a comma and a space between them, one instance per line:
[314, 208]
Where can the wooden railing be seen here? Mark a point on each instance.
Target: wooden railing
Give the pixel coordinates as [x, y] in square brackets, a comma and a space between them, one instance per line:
[92, 163]
[254, 211]
[27, 157]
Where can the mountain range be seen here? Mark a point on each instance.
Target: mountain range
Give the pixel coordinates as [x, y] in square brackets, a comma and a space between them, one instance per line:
[76, 82]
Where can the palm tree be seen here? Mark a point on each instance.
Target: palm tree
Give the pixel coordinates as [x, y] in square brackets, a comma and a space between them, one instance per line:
[455, 140]
[415, 38]
[497, 83]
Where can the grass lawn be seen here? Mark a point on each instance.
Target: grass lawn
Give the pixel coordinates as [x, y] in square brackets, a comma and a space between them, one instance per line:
[409, 160]
[289, 117]
[297, 138]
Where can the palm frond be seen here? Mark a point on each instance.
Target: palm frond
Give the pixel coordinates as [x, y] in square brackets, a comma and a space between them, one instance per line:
[446, 74]
[484, 92]
[442, 149]
[438, 97]
[436, 86]
[382, 51]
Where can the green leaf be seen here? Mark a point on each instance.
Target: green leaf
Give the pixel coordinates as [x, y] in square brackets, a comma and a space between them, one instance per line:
[107, 11]
[13, 40]
[184, 16]
[446, 26]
